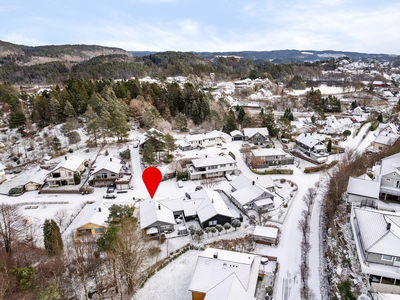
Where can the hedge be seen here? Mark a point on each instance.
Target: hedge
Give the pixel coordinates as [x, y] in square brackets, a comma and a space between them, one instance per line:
[233, 155]
[320, 167]
[374, 126]
[273, 171]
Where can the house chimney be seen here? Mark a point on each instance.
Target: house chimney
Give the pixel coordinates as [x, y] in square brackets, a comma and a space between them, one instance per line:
[66, 158]
[159, 207]
[110, 158]
[305, 134]
[254, 182]
[212, 201]
[388, 225]
[99, 209]
[215, 255]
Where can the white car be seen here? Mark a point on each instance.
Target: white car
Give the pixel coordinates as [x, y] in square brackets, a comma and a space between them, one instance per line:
[228, 177]
[180, 183]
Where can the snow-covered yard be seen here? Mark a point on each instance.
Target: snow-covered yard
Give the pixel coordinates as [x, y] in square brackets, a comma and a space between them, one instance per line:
[171, 282]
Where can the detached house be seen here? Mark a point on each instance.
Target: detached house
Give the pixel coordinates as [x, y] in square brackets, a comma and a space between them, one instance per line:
[362, 188]
[37, 181]
[110, 170]
[2, 173]
[388, 174]
[63, 173]
[377, 237]
[210, 167]
[384, 141]
[211, 139]
[258, 136]
[264, 158]
[225, 275]
[249, 194]
[313, 146]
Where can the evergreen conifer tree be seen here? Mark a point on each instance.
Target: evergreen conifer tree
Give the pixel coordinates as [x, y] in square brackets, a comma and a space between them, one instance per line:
[52, 237]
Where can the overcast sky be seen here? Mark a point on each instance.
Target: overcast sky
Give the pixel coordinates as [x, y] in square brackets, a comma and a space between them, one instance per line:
[203, 25]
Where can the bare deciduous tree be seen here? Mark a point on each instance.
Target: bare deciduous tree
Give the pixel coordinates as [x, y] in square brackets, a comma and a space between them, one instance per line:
[11, 225]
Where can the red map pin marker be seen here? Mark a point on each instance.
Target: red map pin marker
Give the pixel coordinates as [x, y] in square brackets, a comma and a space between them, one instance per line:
[151, 178]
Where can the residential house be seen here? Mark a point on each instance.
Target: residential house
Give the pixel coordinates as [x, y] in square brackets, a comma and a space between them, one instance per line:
[92, 222]
[249, 194]
[110, 171]
[268, 157]
[37, 181]
[358, 111]
[258, 136]
[388, 174]
[210, 167]
[224, 275]
[144, 136]
[160, 215]
[156, 217]
[388, 128]
[63, 173]
[237, 135]
[362, 188]
[211, 139]
[2, 173]
[312, 145]
[299, 126]
[377, 237]
[332, 125]
[384, 141]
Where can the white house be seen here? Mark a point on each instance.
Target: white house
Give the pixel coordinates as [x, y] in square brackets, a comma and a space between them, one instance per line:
[312, 145]
[258, 136]
[155, 215]
[63, 173]
[265, 235]
[222, 274]
[210, 167]
[211, 139]
[270, 157]
[2, 173]
[249, 194]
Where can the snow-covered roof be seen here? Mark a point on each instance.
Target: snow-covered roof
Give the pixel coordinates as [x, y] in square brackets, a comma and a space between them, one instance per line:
[386, 139]
[375, 235]
[93, 215]
[363, 187]
[263, 202]
[249, 132]
[390, 164]
[2, 167]
[210, 135]
[212, 205]
[248, 194]
[70, 163]
[39, 177]
[242, 181]
[212, 161]
[308, 139]
[108, 163]
[236, 132]
[269, 152]
[152, 211]
[390, 127]
[231, 275]
[268, 232]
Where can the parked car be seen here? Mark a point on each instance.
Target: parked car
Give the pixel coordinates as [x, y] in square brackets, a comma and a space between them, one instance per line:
[180, 183]
[135, 144]
[110, 189]
[228, 177]
[110, 196]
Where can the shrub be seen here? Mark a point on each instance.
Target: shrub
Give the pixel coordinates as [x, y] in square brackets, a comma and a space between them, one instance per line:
[77, 178]
[70, 150]
[126, 154]
[232, 155]
[274, 171]
[74, 137]
[18, 190]
[182, 175]
[374, 125]
[347, 132]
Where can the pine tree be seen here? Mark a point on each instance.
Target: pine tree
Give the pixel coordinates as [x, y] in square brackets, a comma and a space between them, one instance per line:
[329, 147]
[52, 237]
[241, 115]
[69, 111]
[148, 153]
[181, 122]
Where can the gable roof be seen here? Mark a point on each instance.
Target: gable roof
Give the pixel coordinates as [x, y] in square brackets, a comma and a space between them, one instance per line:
[71, 163]
[232, 275]
[210, 135]
[212, 161]
[39, 177]
[386, 139]
[375, 236]
[152, 211]
[269, 152]
[390, 164]
[309, 140]
[250, 132]
[108, 163]
[242, 181]
[236, 132]
[363, 187]
[212, 205]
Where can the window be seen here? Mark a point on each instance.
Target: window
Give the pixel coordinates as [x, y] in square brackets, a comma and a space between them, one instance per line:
[387, 257]
[99, 230]
[212, 167]
[277, 157]
[387, 179]
[112, 174]
[224, 165]
[380, 148]
[397, 258]
[69, 174]
[212, 223]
